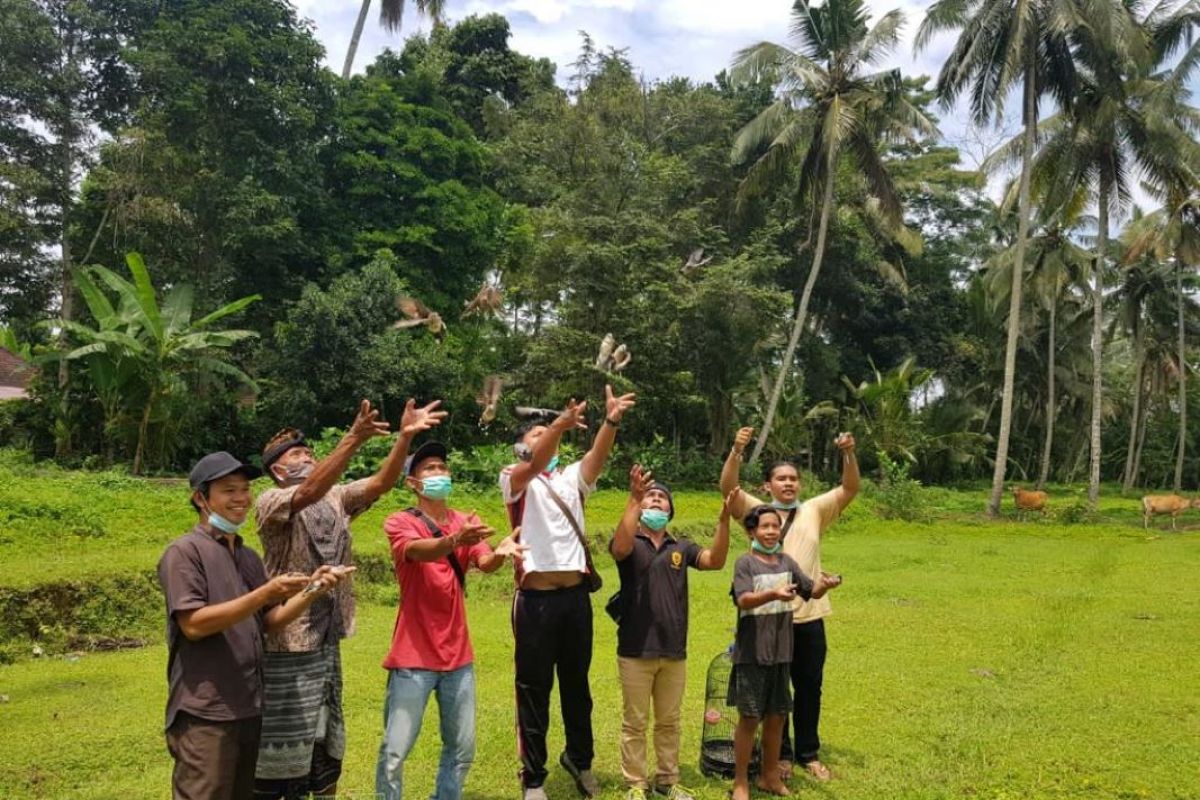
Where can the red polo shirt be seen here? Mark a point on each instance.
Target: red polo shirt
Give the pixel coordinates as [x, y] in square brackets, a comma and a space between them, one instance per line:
[431, 626]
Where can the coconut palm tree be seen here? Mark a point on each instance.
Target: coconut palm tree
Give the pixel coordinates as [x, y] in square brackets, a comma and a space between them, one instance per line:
[1123, 119]
[391, 14]
[1003, 43]
[1172, 235]
[831, 105]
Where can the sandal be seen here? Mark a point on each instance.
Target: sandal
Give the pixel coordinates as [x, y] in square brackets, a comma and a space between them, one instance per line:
[818, 770]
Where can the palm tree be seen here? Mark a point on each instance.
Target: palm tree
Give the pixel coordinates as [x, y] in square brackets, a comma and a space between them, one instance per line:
[1002, 43]
[143, 352]
[391, 14]
[1123, 119]
[830, 105]
[1172, 234]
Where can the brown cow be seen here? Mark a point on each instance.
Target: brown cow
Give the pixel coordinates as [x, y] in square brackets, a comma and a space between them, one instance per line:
[1029, 501]
[1173, 504]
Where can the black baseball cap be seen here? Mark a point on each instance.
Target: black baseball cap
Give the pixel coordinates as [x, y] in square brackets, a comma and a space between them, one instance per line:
[217, 465]
[428, 450]
[662, 487]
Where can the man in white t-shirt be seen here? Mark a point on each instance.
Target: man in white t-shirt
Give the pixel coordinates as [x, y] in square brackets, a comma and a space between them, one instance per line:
[552, 614]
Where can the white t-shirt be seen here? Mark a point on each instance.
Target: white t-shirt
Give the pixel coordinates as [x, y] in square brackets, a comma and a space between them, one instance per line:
[553, 545]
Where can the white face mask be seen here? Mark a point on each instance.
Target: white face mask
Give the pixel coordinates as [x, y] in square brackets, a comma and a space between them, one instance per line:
[295, 474]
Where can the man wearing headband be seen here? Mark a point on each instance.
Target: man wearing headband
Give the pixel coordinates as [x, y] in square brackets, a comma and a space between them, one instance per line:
[303, 523]
[433, 546]
[552, 614]
[219, 603]
[803, 526]
[652, 627]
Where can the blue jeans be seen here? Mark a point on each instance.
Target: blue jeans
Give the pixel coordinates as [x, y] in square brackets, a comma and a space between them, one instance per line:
[408, 693]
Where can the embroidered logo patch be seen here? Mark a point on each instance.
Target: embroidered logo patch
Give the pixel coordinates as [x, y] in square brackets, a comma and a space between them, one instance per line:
[676, 559]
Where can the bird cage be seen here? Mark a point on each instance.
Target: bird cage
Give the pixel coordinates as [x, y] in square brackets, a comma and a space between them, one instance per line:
[720, 721]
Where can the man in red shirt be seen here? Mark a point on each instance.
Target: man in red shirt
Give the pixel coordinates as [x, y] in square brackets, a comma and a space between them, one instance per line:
[433, 546]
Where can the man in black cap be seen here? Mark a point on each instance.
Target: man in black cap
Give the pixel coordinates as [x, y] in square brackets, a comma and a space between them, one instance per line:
[652, 627]
[219, 603]
[303, 523]
[433, 546]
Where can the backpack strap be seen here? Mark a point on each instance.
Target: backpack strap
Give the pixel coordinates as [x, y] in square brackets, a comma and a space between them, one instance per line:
[437, 533]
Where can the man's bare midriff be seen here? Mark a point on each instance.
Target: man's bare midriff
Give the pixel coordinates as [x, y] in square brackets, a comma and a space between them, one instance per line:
[540, 581]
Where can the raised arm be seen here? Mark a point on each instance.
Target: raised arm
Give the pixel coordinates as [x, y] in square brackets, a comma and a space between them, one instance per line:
[850, 478]
[328, 470]
[593, 462]
[546, 446]
[639, 483]
[731, 470]
[714, 557]
[414, 421]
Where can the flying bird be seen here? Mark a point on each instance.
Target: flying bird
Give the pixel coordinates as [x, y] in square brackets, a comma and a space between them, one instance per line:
[530, 413]
[489, 398]
[612, 357]
[417, 313]
[604, 359]
[486, 302]
[621, 358]
[695, 261]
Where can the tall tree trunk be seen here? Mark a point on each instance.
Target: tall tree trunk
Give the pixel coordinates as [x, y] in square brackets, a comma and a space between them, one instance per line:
[1014, 303]
[1098, 345]
[139, 454]
[1183, 375]
[1141, 439]
[1051, 397]
[1139, 366]
[801, 314]
[359, 24]
[62, 443]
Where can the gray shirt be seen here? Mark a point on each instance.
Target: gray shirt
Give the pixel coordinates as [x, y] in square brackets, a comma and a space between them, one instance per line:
[218, 677]
[764, 634]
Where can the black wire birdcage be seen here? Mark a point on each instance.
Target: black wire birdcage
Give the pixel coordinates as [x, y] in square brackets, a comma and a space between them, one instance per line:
[720, 721]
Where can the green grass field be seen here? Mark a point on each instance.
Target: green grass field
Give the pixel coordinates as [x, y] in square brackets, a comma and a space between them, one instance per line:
[990, 660]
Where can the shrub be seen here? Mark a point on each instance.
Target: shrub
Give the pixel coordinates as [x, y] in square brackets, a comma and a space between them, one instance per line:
[899, 496]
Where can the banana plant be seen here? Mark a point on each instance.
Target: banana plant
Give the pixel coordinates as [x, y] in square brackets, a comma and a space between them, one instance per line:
[141, 353]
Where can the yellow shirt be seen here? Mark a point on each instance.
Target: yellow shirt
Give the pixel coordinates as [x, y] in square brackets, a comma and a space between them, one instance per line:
[803, 544]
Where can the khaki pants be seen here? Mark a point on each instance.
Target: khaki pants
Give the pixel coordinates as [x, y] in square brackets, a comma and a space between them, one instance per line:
[644, 680]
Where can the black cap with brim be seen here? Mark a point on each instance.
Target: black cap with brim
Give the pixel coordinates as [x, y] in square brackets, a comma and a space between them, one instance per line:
[427, 450]
[215, 466]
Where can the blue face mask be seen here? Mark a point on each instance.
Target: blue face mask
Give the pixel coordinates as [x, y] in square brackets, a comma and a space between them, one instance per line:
[437, 487]
[222, 524]
[553, 463]
[770, 551]
[655, 519]
[785, 506]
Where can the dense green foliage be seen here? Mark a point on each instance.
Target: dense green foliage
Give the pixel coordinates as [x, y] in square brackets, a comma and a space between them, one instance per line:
[208, 137]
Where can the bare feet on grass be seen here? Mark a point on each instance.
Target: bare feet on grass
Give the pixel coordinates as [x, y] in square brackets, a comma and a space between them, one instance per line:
[741, 791]
[775, 787]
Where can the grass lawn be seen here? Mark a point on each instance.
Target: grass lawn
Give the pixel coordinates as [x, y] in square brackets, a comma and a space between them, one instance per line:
[967, 659]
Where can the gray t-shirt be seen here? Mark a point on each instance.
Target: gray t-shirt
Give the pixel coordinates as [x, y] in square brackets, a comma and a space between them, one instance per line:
[764, 634]
[219, 677]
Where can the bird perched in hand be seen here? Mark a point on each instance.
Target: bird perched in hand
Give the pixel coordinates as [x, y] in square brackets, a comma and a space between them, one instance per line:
[489, 398]
[695, 261]
[416, 313]
[612, 357]
[487, 301]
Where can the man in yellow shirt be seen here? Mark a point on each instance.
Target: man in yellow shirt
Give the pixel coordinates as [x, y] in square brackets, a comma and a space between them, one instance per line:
[803, 526]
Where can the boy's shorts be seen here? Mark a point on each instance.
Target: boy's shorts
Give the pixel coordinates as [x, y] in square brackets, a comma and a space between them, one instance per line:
[759, 691]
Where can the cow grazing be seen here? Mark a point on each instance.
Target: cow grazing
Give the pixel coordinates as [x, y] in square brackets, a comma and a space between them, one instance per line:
[1029, 501]
[1173, 504]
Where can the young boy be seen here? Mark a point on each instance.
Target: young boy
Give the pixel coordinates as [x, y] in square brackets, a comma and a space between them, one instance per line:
[766, 584]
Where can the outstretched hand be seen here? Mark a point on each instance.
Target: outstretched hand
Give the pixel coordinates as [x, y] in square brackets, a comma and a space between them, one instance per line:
[640, 482]
[368, 424]
[615, 407]
[415, 420]
[509, 547]
[574, 416]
